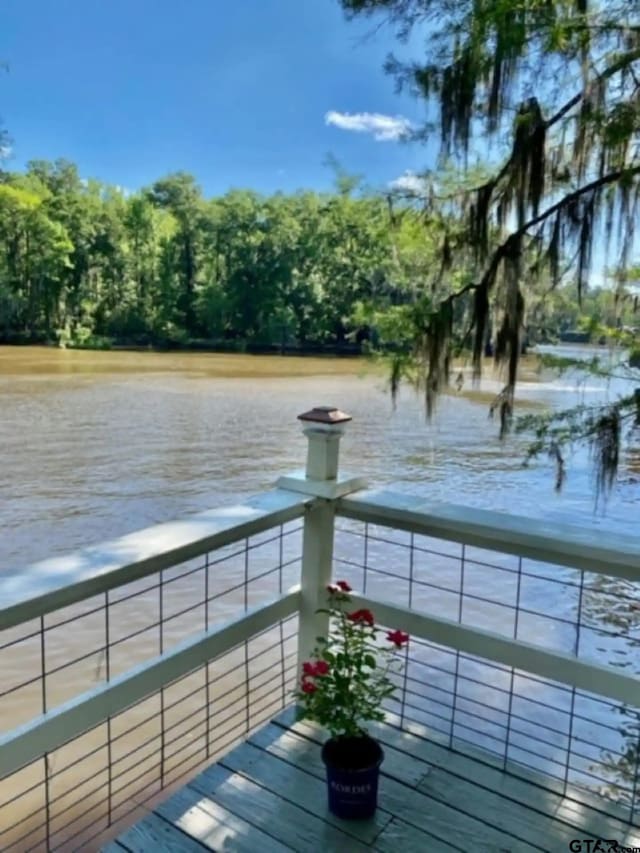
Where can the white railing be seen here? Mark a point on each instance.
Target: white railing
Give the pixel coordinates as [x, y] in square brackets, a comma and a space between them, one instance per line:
[525, 635]
[58, 582]
[160, 617]
[468, 678]
[588, 549]
[556, 545]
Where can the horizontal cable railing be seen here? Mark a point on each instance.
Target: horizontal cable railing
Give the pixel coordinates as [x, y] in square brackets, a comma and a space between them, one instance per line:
[559, 544]
[172, 656]
[88, 783]
[521, 649]
[128, 666]
[60, 581]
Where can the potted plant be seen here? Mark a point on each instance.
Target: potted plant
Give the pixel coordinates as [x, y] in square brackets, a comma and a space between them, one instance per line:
[342, 687]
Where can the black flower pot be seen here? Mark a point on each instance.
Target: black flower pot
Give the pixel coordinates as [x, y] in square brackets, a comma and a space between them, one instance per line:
[353, 768]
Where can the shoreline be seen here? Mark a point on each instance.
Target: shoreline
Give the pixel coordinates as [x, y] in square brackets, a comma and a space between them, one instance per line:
[312, 350]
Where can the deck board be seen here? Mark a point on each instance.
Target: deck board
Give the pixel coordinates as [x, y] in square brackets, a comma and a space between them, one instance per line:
[521, 786]
[440, 820]
[154, 833]
[400, 836]
[527, 827]
[214, 826]
[409, 769]
[567, 810]
[519, 807]
[286, 822]
[269, 795]
[292, 783]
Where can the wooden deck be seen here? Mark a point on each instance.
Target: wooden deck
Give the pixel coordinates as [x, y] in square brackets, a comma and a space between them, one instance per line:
[268, 795]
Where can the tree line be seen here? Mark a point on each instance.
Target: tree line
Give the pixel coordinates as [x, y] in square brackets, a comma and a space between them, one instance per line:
[85, 263]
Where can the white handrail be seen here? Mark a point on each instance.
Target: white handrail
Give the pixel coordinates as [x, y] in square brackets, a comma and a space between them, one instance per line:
[29, 593]
[595, 678]
[48, 732]
[592, 550]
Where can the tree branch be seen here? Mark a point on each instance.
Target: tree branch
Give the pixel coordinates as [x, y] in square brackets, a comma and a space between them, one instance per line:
[624, 60]
[611, 178]
[514, 237]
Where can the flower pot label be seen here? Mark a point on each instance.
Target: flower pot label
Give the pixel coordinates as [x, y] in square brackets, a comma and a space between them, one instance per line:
[351, 789]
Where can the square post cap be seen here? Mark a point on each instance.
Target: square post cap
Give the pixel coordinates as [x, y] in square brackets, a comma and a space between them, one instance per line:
[324, 415]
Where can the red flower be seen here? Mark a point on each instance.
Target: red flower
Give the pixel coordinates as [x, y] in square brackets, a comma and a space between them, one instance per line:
[361, 616]
[344, 586]
[308, 687]
[311, 670]
[398, 638]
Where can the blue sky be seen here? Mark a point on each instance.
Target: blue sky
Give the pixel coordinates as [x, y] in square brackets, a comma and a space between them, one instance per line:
[251, 93]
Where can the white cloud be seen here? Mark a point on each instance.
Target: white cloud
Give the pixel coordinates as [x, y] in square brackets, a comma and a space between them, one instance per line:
[410, 183]
[384, 128]
[5, 151]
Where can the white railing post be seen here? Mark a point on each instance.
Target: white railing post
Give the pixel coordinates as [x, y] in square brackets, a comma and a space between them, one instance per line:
[323, 427]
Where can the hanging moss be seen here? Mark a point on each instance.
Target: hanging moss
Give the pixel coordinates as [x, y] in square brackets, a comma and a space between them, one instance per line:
[605, 449]
[585, 242]
[554, 248]
[480, 318]
[525, 175]
[457, 96]
[437, 353]
[479, 218]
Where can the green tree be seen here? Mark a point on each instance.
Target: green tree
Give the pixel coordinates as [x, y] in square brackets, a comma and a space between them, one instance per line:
[34, 258]
[166, 266]
[73, 205]
[182, 197]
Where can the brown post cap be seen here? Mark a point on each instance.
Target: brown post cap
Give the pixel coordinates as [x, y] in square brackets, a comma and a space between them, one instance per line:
[325, 415]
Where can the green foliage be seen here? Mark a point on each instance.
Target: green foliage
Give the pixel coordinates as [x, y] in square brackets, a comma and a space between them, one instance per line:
[166, 266]
[347, 679]
[34, 261]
